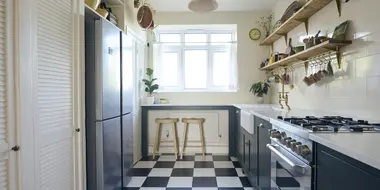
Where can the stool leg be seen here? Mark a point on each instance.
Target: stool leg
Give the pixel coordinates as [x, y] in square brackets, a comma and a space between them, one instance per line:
[184, 139]
[159, 138]
[202, 140]
[155, 147]
[175, 138]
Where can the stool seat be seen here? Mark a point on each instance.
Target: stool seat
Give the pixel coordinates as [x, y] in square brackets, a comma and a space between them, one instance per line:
[198, 121]
[158, 140]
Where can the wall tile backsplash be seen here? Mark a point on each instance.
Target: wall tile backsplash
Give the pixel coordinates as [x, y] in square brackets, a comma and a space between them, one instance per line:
[356, 86]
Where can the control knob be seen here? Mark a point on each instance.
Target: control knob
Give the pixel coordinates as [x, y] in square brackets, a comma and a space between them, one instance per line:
[303, 150]
[276, 134]
[293, 145]
[289, 141]
[284, 139]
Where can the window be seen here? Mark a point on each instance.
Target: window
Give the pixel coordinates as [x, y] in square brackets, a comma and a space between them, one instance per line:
[195, 58]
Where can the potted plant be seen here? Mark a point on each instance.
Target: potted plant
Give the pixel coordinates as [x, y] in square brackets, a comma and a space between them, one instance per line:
[259, 89]
[150, 87]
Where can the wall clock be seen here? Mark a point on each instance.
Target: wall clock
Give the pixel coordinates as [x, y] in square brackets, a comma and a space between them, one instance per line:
[255, 34]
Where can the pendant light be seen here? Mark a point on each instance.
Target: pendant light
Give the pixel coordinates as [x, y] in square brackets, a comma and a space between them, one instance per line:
[203, 6]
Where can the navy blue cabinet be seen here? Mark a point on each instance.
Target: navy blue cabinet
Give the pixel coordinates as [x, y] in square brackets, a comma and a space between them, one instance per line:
[264, 154]
[335, 171]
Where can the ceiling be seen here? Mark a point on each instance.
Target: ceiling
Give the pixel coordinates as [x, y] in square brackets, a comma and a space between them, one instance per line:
[224, 5]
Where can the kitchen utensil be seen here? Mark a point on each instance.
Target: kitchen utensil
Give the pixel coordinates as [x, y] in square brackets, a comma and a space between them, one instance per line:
[319, 39]
[306, 79]
[276, 56]
[144, 17]
[330, 69]
[285, 78]
[282, 56]
[289, 50]
[298, 49]
[291, 86]
[271, 60]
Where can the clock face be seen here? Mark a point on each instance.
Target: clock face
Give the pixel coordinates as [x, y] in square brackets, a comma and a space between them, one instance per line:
[255, 34]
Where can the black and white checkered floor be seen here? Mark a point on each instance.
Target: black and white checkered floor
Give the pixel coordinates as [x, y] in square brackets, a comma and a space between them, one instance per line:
[165, 172]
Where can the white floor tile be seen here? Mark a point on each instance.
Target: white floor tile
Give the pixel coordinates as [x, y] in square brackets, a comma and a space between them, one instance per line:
[200, 158]
[167, 158]
[145, 164]
[228, 182]
[204, 188]
[204, 172]
[239, 171]
[180, 182]
[223, 164]
[160, 172]
[136, 182]
[184, 164]
[234, 159]
[282, 173]
[152, 188]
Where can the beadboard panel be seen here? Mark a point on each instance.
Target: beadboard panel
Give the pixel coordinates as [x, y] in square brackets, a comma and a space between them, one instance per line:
[54, 95]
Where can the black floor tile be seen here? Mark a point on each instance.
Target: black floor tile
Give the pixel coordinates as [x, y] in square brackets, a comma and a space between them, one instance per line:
[221, 158]
[236, 164]
[150, 158]
[245, 182]
[139, 172]
[225, 172]
[156, 182]
[230, 188]
[186, 158]
[278, 166]
[168, 154]
[204, 182]
[287, 182]
[204, 164]
[131, 188]
[164, 164]
[178, 188]
[182, 172]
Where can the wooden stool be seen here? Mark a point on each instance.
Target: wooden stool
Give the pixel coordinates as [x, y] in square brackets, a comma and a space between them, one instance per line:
[198, 121]
[157, 141]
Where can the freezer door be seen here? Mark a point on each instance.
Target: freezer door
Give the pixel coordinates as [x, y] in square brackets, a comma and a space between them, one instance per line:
[127, 73]
[111, 163]
[127, 150]
[107, 70]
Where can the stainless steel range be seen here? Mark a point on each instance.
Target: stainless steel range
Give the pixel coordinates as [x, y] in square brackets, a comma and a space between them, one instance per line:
[292, 150]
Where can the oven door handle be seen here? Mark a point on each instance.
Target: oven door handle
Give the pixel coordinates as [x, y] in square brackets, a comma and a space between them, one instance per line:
[279, 154]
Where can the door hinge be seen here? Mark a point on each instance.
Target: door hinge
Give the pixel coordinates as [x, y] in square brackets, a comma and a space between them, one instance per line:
[77, 130]
[15, 148]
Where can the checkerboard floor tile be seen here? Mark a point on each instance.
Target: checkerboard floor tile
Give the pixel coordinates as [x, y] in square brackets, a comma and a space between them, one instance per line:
[166, 172]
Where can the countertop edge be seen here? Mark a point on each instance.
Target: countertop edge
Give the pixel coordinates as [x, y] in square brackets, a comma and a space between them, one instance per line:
[360, 157]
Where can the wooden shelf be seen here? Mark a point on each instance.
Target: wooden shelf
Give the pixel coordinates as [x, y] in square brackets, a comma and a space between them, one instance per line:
[112, 3]
[327, 46]
[301, 16]
[97, 16]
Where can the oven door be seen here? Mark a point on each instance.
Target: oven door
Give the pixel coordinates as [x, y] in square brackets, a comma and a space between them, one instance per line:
[288, 172]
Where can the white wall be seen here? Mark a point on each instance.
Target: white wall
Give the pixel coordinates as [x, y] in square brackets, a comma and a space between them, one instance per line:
[356, 85]
[249, 55]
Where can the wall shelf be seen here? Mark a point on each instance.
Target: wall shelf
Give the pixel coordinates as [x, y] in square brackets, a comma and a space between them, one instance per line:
[301, 16]
[327, 46]
[97, 16]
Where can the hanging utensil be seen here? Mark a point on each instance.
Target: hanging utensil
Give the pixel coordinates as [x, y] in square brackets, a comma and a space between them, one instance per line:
[291, 86]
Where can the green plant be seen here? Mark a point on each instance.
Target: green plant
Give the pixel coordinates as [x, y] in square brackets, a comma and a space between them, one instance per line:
[259, 89]
[150, 86]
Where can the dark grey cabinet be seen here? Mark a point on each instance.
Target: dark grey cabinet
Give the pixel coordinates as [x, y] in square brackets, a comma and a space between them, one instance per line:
[264, 159]
[335, 171]
[248, 158]
[238, 135]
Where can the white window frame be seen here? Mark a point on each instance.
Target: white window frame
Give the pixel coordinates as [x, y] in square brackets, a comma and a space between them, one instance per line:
[210, 48]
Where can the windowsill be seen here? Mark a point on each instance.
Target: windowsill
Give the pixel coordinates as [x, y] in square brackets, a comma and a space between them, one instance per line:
[198, 91]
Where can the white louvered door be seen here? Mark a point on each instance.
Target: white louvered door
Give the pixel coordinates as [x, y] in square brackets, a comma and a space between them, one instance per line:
[54, 133]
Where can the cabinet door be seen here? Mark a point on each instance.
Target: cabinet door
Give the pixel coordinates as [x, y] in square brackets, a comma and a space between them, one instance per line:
[338, 173]
[247, 150]
[253, 158]
[241, 146]
[264, 161]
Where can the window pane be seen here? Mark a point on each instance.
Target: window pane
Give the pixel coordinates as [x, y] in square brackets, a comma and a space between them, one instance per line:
[195, 69]
[169, 70]
[220, 69]
[170, 38]
[221, 37]
[192, 39]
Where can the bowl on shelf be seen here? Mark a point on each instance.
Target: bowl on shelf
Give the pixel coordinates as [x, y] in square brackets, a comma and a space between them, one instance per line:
[104, 13]
[298, 49]
[93, 3]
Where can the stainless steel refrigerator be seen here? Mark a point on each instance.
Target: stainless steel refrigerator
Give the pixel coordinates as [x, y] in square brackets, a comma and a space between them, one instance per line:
[109, 127]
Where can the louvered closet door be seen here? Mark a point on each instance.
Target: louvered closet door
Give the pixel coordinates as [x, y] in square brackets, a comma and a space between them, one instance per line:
[54, 140]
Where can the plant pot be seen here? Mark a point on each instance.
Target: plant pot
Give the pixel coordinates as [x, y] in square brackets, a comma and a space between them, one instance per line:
[260, 100]
[149, 100]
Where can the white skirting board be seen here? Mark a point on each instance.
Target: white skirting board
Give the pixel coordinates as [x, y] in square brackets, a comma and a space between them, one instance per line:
[192, 150]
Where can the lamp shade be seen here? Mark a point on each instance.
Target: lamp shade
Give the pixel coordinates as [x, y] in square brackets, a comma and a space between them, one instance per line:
[203, 6]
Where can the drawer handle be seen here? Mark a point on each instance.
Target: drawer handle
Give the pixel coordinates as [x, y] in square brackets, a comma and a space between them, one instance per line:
[283, 157]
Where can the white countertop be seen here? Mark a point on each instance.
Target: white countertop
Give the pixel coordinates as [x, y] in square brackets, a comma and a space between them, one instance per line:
[360, 146]
[146, 105]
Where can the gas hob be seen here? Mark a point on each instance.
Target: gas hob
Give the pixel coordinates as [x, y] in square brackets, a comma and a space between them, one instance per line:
[332, 124]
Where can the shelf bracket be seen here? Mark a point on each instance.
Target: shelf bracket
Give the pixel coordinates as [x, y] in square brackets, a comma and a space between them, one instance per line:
[285, 37]
[338, 58]
[306, 22]
[339, 6]
[272, 47]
